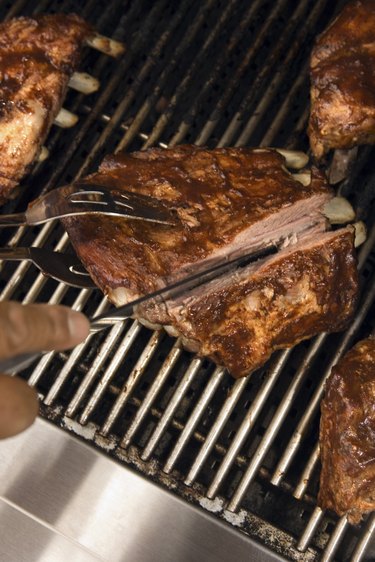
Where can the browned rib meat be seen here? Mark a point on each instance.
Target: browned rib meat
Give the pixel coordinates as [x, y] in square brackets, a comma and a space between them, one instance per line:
[347, 435]
[241, 319]
[343, 81]
[37, 58]
[229, 201]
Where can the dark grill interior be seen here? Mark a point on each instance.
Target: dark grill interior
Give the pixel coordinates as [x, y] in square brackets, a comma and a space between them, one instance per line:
[218, 73]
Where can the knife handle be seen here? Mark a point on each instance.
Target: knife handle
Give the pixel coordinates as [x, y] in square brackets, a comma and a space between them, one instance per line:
[14, 365]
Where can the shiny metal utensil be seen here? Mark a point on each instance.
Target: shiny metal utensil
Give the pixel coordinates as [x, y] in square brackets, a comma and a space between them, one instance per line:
[108, 319]
[83, 198]
[66, 268]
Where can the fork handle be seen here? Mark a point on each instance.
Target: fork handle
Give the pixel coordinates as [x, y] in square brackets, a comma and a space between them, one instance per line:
[16, 219]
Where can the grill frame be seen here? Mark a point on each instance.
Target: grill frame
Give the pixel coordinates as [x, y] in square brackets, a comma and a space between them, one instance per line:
[131, 123]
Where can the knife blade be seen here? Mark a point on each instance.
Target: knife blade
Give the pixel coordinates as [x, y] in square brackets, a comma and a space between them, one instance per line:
[172, 291]
[178, 288]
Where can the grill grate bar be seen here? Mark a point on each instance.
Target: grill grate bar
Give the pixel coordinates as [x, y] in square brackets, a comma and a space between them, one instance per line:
[108, 344]
[299, 129]
[16, 236]
[241, 460]
[366, 249]
[268, 97]
[121, 353]
[310, 529]
[40, 368]
[275, 424]
[85, 11]
[135, 374]
[216, 429]
[173, 404]
[194, 418]
[362, 544]
[15, 9]
[41, 6]
[306, 473]
[200, 437]
[41, 279]
[21, 269]
[216, 115]
[247, 424]
[190, 74]
[264, 106]
[334, 540]
[152, 99]
[73, 359]
[145, 71]
[150, 397]
[285, 107]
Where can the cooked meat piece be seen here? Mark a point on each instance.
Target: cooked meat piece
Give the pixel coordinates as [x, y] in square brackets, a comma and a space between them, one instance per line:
[343, 81]
[229, 201]
[37, 58]
[240, 319]
[347, 435]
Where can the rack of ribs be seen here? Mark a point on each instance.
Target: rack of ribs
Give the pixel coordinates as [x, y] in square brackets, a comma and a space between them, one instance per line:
[347, 429]
[228, 202]
[343, 81]
[38, 57]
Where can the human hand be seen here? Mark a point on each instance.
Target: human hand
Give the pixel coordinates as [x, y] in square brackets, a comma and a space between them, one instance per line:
[31, 328]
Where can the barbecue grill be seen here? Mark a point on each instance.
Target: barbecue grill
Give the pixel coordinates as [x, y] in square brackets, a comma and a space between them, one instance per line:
[239, 458]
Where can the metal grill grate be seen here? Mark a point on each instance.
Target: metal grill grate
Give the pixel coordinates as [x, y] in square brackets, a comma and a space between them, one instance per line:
[216, 73]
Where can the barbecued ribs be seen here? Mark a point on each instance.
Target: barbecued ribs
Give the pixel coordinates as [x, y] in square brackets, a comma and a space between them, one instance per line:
[343, 81]
[228, 202]
[347, 435]
[37, 57]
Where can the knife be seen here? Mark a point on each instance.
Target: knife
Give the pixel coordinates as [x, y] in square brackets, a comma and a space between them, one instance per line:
[15, 364]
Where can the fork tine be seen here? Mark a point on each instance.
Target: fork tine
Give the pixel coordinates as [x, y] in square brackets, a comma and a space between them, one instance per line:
[139, 206]
[65, 268]
[82, 198]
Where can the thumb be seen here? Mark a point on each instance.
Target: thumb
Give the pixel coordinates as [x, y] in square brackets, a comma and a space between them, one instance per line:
[39, 327]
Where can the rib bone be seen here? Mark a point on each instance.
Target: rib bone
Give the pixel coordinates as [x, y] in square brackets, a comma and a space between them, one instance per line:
[106, 45]
[303, 177]
[43, 154]
[339, 211]
[294, 158]
[83, 82]
[360, 233]
[65, 119]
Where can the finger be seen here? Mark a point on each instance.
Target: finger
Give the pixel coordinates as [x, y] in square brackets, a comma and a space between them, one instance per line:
[18, 406]
[39, 327]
